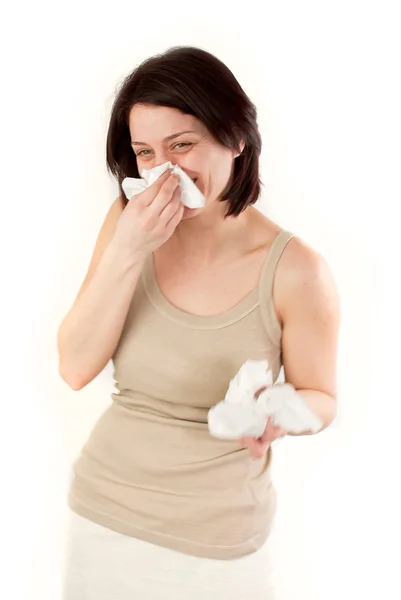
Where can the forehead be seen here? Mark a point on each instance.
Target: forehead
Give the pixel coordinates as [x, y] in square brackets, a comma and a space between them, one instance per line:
[152, 123]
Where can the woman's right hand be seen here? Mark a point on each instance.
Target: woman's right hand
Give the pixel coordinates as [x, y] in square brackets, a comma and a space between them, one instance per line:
[150, 218]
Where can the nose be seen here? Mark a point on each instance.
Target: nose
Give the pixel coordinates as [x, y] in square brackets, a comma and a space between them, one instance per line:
[160, 157]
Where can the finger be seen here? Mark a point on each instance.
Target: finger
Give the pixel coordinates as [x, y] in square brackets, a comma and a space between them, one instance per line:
[260, 449]
[260, 390]
[174, 221]
[164, 195]
[269, 435]
[274, 435]
[255, 447]
[277, 431]
[171, 208]
[248, 442]
[145, 198]
[271, 428]
[268, 432]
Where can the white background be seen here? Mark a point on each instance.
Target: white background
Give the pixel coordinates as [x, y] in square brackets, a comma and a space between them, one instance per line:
[324, 76]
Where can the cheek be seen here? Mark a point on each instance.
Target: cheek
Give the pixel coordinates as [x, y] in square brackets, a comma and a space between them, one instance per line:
[213, 168]
[191, 160]
[220, 174]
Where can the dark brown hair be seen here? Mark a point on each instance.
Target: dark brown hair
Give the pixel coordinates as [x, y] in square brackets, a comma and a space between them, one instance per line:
[199, 84]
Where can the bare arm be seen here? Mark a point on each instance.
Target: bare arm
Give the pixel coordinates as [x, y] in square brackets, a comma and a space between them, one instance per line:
[309, 311]
[311, 318]
[89, 333]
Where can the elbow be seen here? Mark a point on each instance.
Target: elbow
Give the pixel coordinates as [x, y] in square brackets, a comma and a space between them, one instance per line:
[330, 412]
[76, 385]
[333, 409]
[74, 381]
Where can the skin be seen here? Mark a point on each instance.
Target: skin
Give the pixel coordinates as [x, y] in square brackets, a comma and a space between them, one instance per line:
[225, 256]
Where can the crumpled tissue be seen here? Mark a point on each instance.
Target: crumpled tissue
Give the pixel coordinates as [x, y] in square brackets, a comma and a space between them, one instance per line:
[191, 196]
[241, 414]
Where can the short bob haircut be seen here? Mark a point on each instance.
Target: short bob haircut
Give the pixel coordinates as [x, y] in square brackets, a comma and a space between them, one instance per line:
[196, 83]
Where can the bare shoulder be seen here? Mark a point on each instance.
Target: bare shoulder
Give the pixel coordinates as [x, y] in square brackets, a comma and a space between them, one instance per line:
[108, 228]
[103, 239]
[298, 263]
[304, 281]
[115, 209]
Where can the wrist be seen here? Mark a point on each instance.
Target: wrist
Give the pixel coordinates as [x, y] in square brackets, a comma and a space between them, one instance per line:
[126, 258]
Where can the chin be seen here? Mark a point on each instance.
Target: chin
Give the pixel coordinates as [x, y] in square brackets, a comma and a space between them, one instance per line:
[189, 213]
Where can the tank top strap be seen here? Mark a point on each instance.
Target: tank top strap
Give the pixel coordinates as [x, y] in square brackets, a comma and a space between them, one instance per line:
[266, 301]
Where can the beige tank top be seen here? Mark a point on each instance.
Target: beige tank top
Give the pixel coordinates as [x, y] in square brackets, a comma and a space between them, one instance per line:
[150, 469]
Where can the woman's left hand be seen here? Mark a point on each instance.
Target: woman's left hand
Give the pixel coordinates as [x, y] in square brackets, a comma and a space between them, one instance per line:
[259, 446]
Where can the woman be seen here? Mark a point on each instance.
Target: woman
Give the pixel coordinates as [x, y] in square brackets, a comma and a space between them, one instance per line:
[180, 298]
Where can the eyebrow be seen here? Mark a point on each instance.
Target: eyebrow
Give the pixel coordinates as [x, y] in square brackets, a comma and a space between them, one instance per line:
[166, 139]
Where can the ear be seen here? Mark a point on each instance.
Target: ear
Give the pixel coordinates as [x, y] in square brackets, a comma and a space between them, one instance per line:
[241, 147]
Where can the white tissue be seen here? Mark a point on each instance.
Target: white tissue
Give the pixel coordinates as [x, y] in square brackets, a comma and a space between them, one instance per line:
[240, 414]
[191, 196]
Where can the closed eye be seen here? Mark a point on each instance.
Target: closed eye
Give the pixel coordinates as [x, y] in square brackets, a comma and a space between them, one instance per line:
[178, 146]
[182, 144]
[141, 152]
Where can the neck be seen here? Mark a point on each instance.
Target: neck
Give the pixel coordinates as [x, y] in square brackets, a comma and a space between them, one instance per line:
[209, 236]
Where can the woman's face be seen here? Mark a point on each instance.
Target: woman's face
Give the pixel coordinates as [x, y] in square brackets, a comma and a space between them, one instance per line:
[160, 134]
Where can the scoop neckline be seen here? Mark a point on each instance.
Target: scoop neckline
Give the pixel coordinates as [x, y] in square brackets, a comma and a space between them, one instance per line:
[180, 316]
[244, 307]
